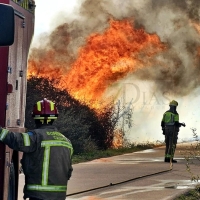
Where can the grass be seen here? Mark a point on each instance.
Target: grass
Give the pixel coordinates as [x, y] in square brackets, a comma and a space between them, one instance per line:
[190, 195]
[84, 157]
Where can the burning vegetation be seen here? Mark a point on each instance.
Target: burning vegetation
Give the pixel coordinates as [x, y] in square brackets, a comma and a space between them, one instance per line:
[149, 40]
[86, 129]
[105, 58]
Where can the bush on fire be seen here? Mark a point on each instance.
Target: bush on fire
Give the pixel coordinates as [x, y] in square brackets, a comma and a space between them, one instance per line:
[77, 121]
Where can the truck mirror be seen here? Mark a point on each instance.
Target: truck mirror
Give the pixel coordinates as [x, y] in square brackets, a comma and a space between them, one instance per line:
[7, 27]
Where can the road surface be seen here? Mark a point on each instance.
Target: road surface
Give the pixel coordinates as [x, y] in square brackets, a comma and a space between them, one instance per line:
[140, 175]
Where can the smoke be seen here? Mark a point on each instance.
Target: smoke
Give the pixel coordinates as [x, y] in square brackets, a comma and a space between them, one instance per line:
[172, 21]
[174, 73]
[179, 65]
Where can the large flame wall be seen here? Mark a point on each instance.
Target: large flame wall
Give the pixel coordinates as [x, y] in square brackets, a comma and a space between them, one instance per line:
[103, 45]
[105, 58]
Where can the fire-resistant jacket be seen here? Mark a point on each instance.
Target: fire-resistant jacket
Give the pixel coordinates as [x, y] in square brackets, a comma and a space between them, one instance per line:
[170, 118]
[46, 161]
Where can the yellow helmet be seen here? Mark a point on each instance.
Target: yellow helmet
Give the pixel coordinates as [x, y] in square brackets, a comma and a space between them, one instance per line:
[173, 103]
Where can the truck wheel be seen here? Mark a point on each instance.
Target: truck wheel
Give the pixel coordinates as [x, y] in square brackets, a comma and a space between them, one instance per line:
[11, 191]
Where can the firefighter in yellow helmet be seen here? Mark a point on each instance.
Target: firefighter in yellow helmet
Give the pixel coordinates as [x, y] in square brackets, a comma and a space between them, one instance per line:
[170, 127]
[47, 154]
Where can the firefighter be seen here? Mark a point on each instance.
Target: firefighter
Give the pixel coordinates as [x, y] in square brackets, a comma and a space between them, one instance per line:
[46, 160]
[170, 127]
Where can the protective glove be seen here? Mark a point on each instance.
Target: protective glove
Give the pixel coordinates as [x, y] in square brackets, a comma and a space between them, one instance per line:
[163, 131]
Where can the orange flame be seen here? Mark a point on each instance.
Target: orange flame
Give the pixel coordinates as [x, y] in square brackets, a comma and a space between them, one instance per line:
[105, 58]
[196, 26]
[118, 139]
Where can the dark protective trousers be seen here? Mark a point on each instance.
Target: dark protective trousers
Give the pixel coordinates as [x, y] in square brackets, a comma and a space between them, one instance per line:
[171, 137]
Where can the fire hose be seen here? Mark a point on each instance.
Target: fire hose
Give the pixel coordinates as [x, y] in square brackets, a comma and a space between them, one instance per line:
[133, 179]
[122, 182]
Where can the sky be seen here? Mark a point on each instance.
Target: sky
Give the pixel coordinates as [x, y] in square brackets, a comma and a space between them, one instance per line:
[148, 104]
[46, 11]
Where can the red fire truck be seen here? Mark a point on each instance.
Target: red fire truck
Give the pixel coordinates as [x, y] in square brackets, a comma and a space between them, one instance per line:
[16, 32]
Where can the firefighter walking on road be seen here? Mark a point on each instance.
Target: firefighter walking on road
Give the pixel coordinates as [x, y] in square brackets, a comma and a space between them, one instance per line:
[170, 127]
[47, 155]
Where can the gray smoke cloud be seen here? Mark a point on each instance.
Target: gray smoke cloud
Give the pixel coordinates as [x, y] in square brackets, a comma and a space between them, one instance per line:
[178, 67]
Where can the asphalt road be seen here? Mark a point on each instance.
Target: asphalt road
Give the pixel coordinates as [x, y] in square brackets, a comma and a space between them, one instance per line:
[134, 176]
